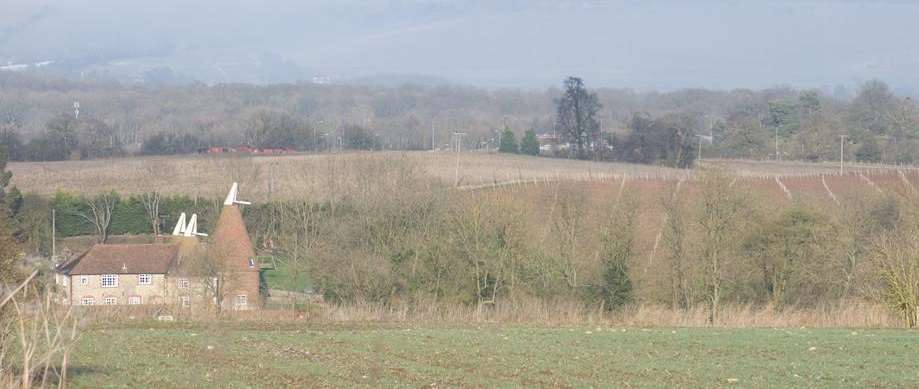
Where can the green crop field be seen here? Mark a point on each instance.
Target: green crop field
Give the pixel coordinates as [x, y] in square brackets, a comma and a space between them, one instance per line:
[259, 355]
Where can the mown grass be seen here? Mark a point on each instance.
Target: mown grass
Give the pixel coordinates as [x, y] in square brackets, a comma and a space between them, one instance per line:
[283, 277]
[257, 355]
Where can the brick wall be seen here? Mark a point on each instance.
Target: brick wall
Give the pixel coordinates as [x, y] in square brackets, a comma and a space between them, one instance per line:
[128, 286]
[164, 289]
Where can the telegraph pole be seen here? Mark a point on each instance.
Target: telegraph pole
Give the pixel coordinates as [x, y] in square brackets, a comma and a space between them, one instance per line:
[778, 157]
[842, 139]
[53, 234]
[699, 158]
[458, 139]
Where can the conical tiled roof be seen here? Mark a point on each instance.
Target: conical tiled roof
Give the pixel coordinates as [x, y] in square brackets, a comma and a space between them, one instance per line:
[230, 242]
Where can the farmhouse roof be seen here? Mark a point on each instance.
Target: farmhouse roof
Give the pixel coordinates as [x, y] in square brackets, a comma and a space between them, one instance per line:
[230, 244]
[124, 259]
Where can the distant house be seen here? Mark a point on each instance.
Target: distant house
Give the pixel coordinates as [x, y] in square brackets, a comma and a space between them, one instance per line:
[185, 270]
[246, 150]
[549, 143]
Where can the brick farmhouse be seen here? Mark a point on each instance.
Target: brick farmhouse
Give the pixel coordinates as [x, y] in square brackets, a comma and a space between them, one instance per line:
[184, 270]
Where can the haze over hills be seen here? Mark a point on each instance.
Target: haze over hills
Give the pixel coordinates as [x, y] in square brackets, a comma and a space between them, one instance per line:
[645, 45]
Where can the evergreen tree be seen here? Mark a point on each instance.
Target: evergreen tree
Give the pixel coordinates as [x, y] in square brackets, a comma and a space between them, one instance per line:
[617, 285]
[508, 142]
[529, 145]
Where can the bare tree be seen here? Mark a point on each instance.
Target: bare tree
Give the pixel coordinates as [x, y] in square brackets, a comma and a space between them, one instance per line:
[100, 212]
[675, 237]
[568, 215]
[36, 336]
[896, 256]
[718, 216]
[151, 201]
[297, 233]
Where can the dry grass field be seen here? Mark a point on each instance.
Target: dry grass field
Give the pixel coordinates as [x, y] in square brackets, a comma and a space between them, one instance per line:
[312, 175]
[318, 175]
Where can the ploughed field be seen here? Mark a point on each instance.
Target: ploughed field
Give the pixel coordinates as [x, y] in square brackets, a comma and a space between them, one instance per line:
[388, 355]
[316, 176]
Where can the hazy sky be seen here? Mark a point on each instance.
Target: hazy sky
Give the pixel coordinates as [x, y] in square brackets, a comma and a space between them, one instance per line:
[639, 44]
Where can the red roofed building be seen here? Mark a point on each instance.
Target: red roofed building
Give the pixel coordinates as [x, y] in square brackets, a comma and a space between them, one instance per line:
[184, 271]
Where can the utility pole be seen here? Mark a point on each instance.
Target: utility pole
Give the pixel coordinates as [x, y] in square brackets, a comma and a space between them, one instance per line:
[53, 234]
[710, 139]
[598, 142]
[699, 157]
[458, 139]
[270, 180]
[778, 157]
[842, 139]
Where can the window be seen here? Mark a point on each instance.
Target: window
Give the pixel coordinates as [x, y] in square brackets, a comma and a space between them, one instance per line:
[242, 301]
[111, 301]
[251, 263]
[183, 283]
[144, 279]
[86, 301]
[134, 300]
[84, 280]
[186, 302]
[109, 280]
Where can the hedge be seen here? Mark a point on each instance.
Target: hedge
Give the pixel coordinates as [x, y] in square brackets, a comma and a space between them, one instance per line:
[129, 216]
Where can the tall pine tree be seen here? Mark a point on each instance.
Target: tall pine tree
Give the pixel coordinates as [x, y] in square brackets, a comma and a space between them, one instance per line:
[508, 142]
[529, 145]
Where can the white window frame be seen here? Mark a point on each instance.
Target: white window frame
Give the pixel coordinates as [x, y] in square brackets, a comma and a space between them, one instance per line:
[251, 263]
[185, 301]
[144, 279]
[110, 300]
[134, 300]
[241, 300]
[84, 280]
[86, 301]
[183, 283]
[111, 277]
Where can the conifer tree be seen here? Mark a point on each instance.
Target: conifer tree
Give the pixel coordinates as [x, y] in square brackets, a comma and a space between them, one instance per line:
[529, 145]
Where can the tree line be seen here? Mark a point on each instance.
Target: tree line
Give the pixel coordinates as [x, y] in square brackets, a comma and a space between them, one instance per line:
[702, 243]
[37, 121]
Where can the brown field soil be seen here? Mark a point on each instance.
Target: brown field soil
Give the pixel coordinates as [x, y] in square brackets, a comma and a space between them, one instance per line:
[316, 175]
[296, 176]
